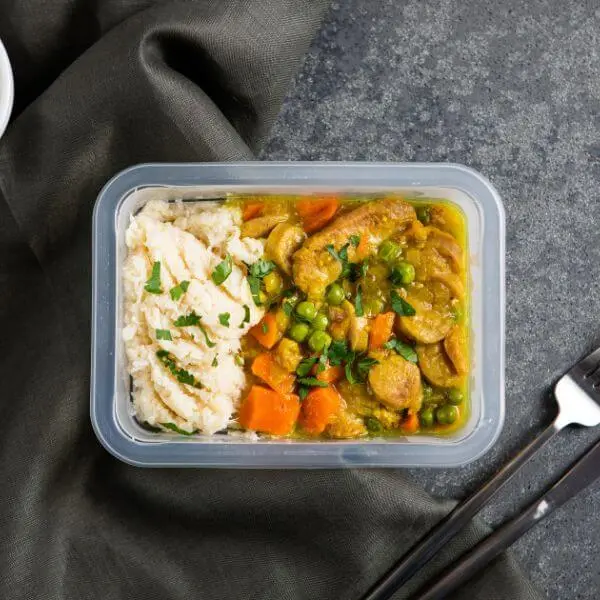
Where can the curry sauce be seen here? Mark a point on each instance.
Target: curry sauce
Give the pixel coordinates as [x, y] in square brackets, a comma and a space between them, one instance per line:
[365, 328]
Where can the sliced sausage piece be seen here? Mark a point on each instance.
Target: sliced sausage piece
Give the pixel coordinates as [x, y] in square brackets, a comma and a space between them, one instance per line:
[455, 345]
[433, 319]
[281, 244]
[436, 366]
[260, 227]
[314, 268]
[397, 383]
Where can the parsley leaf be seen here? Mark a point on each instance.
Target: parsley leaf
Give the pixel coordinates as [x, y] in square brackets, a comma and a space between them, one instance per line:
[358, 304]
[342, 256]
[238, 359]
[337, 352]
[400, 306]
[187, 320]
[404, 350]
[223, 270]
[306, 364]
[355, 240]
[322, 363]
[176, 429]
[153, 284]
[312, 382]
[363, 365]
[246, 316]
[287, 309]
[182, 375]
[209, 342]
[303, 392]
[256, 272]
[178, 290]
[215, 362]
[224, 319]
[163, 334]
[264, 327]
[349, 375]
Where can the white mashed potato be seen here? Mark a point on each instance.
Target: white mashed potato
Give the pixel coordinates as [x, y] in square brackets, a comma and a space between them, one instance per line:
[188, 240]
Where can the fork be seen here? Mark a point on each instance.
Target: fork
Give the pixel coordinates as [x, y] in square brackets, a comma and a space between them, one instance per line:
[577, 394]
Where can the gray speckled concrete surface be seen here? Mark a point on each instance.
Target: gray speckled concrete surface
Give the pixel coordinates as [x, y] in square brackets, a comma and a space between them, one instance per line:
[512, 89]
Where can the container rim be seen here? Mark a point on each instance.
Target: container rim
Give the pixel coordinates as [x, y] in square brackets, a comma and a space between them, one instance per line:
[247, 454]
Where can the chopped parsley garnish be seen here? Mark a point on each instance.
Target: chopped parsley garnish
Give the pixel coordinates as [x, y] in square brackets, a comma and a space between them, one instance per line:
[153, 284]
[287, 308]
[181, 375]
[349, 375]
[342, 255]
[187, 320]
[306, 364]
[400, 306]
[209, 342]
[176, 429]
[163, 334]
[405, 350]
[363, 365]
[322, 363]
[264, 327]
[178, 290]
[256, 272]
[303, 392]
[224, 319]
[358, 304]
[246, 316]
[215, 362]
[338, 352]
[223, 270]
[238, 359]
[312, 382]
[355, 240]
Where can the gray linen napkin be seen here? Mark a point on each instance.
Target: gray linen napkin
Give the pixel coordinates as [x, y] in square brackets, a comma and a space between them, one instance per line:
[100, 86]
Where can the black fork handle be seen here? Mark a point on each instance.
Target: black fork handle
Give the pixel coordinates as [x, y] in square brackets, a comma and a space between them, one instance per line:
[420, 554]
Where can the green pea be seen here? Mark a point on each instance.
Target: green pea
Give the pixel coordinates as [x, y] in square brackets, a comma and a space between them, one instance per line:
[373, 306]
[306, 310]
[299, 332]
[335, 294]
[404, 273]
[318, 341]
[426, 417]
[446, 414]
[455, 396]
[424, 214]
[389, 251]
[373, 425]
[320, 322]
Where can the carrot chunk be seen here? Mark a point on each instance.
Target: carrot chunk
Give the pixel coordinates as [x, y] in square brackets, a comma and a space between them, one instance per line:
[266, 332]
[273, 374]
[318, 409]
[410, 424]
[252, 209]
[381, 330]
[268, 411]
[331, 374]
[315, 213]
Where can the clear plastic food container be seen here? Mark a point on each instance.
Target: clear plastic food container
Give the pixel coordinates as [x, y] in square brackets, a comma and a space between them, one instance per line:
[111, 407]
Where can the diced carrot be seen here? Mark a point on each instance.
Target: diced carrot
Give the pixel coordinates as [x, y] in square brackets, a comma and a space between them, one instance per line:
[273, 374]
[268, 411]
[318, 408]
[252, 209]
[331, 374]
[266, 332]
[381, 330]
[363, 247]
[317, 212]
[411, 423]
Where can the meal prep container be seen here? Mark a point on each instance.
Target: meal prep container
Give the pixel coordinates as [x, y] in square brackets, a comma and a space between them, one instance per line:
[111, 407]
[6, 89]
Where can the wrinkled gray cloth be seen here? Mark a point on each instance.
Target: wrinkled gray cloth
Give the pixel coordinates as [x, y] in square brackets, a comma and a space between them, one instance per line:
[100, 86]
